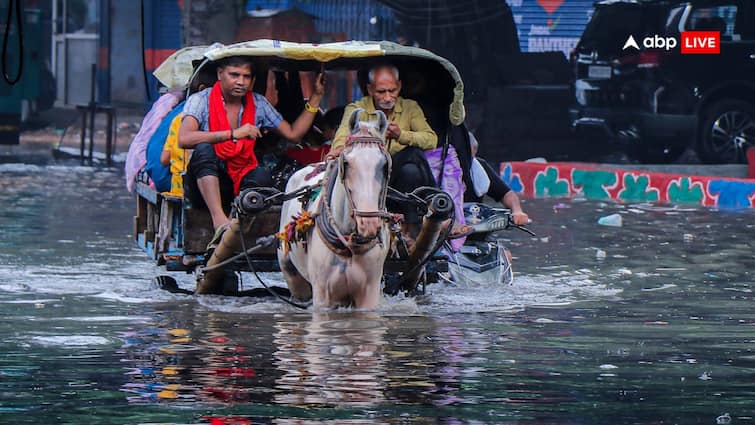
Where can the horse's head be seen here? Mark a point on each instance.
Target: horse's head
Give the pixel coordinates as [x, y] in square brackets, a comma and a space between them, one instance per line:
[368, 128]
[365, 166]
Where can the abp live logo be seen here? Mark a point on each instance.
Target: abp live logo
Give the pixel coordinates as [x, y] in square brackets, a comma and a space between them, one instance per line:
[701, 42]
[691, 42]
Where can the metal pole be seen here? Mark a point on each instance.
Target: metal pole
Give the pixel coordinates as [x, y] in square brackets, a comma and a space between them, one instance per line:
[53, 46]
[109, 143]
[83, 132]
[92, 110]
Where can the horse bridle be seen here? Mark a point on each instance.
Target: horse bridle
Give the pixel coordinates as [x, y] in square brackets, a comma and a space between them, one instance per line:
[324, 220]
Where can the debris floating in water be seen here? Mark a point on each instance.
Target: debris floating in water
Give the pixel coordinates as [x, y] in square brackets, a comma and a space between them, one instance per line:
[613, 220]
[705, 376]
[723, 419]
[659, 288]
[600, 254]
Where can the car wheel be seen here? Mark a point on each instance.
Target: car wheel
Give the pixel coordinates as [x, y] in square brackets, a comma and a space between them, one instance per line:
[728, 130]
[165, 282]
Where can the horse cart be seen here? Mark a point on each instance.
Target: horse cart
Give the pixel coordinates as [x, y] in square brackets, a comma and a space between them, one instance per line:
[175, 233]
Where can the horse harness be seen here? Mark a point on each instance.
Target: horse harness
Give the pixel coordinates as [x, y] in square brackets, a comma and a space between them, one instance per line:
[353, 244]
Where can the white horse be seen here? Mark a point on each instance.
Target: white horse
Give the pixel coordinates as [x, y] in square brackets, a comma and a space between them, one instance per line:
[339, 261]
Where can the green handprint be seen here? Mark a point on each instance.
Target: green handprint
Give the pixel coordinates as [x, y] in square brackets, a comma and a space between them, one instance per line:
[548, 183]
[593, 182]
[636, 189]
[684, 191]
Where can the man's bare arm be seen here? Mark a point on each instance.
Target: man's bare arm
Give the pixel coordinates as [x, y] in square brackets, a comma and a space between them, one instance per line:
[165, 157]
[303, 123]
[299, 128]
[511, 200]
[189, 134]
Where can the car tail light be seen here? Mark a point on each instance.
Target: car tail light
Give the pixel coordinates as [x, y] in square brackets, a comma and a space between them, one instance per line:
[644, 59]
[650, 59]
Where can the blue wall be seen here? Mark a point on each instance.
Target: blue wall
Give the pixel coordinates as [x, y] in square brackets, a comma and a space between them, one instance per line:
[162, 36]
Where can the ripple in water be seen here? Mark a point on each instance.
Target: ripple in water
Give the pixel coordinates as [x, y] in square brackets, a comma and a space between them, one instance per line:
[73, 341]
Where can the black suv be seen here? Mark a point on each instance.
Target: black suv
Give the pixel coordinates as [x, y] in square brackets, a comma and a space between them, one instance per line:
[655, 101]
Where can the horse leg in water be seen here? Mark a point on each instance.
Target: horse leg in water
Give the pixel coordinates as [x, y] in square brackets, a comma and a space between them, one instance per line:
[299, 287]
[297, 283]
[347, 281]
[343, 257]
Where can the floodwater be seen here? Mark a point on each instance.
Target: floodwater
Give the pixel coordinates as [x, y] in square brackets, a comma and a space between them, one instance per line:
[649, 323]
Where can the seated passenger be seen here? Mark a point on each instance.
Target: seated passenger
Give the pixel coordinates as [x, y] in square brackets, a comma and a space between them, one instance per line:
[446, 167]
[136, 159]
[408, 136]
[175, 157]
[485, 181]
[158, 172]
[172, 156]
[221, 125]
[316, 143]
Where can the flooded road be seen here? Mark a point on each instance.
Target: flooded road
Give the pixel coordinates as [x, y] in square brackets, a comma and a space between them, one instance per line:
[648, 323]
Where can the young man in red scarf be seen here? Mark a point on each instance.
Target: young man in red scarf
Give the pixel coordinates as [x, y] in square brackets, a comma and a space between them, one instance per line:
[221, 125]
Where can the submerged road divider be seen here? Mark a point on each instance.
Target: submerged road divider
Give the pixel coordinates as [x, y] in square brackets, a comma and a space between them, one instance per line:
[561, 179]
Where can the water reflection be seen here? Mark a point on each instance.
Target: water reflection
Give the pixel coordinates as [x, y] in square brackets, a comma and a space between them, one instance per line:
[209, 358]
[336, 359]
[324, 360]
[657, 330]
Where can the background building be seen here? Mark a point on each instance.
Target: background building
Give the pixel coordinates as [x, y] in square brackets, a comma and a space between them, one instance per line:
[134, 36]
[502, 48]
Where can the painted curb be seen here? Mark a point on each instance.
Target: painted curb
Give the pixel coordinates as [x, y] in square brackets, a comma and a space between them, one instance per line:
[568, 179]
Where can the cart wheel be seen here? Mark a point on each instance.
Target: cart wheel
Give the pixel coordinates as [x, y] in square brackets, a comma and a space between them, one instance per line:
[392, 283]
[230, 282]
[168, 283]
[164, 282]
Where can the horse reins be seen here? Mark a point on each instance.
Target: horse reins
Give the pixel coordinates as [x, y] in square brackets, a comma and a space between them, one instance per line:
[325, 222]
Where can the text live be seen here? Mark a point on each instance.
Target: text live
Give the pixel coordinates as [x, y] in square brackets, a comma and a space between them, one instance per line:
[701, 42]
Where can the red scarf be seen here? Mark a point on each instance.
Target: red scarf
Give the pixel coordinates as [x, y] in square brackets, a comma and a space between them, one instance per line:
[239, 157]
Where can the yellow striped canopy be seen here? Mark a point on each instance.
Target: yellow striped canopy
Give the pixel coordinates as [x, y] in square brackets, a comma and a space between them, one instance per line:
[176, 70]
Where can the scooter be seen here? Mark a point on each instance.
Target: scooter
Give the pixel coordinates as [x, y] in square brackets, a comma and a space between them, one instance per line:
[483, 259]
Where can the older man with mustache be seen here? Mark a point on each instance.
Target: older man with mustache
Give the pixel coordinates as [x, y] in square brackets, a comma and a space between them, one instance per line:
[408, 134]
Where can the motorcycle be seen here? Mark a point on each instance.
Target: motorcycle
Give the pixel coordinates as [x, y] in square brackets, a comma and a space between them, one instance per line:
[483, 259]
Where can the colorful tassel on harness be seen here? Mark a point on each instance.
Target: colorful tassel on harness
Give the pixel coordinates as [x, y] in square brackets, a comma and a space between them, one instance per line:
[296, 230]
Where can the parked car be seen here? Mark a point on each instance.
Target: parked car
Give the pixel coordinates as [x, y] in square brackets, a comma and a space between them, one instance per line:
[655, 101]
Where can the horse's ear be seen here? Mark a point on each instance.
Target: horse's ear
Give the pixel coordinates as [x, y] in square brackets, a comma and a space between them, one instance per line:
[354, 120]
[382, 123]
